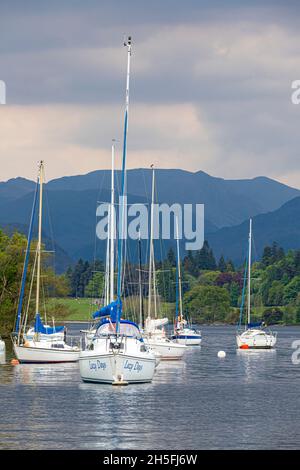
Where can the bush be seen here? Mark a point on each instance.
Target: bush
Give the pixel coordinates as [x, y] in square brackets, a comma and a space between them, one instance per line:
[272, 316]
[207, 303]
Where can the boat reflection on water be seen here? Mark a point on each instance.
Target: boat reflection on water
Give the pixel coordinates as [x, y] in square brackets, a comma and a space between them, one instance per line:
[170, 372]
[2, 357]
[45, 374]
[256, 362]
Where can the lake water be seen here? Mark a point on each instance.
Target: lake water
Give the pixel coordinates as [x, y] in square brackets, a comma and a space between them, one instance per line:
[249, 400]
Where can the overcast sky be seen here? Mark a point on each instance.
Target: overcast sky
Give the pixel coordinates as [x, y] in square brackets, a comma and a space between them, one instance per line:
[210, 87]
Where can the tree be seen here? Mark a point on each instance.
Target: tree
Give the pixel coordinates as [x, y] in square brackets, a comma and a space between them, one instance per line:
[230, 266]
[222, 265]
[171, 257]
[12, 249]
[272, 316]
[276, 292]
[234, 294]
[207, 303]
[11, 266]
[267, 256]
[291, 290]
[189, 264]
[95, 286]
[205, 258]
[81, 275]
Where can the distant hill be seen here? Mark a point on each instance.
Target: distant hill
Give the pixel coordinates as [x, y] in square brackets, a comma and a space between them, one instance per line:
[227, 202]
[15, 188]
[72, 201]
[281, 225]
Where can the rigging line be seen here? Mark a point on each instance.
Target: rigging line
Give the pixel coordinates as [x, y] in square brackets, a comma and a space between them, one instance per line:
[29, 294]
[26, 262]
[48, 212]
[44, 299]
[254, 249]
[101, 186]
[129, 271]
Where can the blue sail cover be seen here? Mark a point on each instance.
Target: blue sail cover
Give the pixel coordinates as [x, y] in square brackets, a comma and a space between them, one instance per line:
[109, 310]
[45, 330]
[254, 325]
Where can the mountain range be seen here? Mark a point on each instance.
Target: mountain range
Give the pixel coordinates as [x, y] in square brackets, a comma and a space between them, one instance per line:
[71, 202]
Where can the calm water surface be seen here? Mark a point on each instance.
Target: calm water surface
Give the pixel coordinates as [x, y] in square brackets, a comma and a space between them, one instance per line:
[247, 400]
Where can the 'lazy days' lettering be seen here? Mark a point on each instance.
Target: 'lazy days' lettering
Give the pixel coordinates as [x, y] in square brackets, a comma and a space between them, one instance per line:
[133, 366]
[97, 365]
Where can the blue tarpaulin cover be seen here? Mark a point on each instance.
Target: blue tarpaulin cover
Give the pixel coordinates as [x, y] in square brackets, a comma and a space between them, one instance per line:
[254, 325]
[46, 330]
[109, 310]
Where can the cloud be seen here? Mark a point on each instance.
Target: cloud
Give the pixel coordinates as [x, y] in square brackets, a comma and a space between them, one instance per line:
[77, 139]
[210, 86]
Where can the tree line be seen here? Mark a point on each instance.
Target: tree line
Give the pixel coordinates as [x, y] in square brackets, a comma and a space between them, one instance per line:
[212, 289]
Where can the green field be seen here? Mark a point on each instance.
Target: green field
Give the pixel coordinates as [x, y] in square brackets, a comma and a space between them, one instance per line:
[69, 309]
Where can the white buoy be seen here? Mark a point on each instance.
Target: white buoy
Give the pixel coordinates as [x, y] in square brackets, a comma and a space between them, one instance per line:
[221, 354]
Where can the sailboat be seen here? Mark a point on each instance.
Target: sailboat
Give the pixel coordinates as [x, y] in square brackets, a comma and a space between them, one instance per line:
[254, 335]
[182, 333]
[142, 316]
[153, 332]
[117, 354]
[40, 343]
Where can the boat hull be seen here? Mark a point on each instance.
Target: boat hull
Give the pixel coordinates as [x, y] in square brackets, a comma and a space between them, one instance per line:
[188, 340]
[167, 349]
[255, 339]
[112, 367]
[44, 355]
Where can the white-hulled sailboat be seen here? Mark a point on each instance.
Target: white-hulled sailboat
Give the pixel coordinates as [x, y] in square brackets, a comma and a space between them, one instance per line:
[254, 335]
[117, 354]
[154, 333]
[40, 343]
[182, 333]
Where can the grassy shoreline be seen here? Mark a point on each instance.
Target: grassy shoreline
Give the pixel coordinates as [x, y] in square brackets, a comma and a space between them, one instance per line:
[80, 310]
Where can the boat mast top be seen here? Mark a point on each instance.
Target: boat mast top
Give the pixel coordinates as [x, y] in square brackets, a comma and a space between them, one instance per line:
[123, 186]
[249, 274]
[151, 255]
[112, 223]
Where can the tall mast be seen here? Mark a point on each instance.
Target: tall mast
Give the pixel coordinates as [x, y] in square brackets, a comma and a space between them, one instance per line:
[106, 296]
[140, 283]
[151, 255]
[249, 272]
[154, 286]
[121, 233]
[112, 224]
[26, 261]
[179, 271]
[39, 246]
